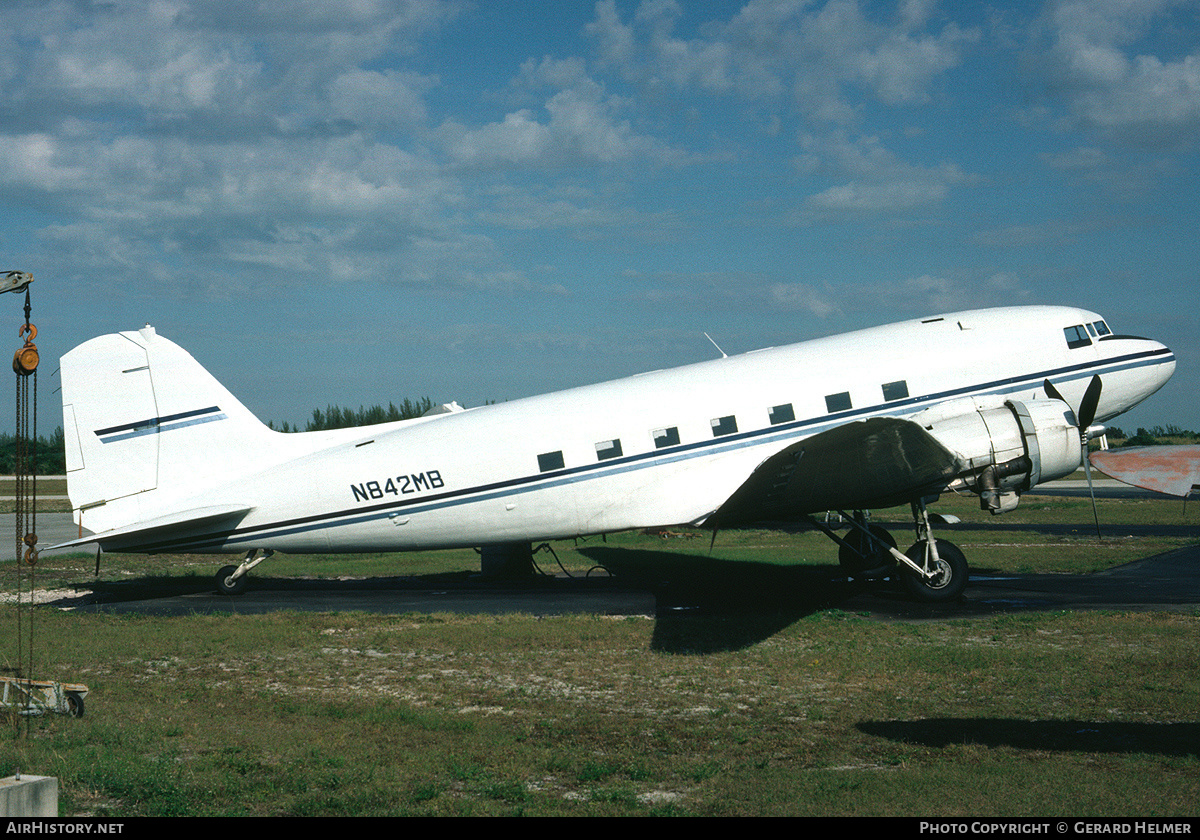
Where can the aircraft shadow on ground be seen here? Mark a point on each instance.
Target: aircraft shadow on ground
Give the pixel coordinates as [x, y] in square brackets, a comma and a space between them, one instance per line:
[702, 604]
[706, 604]
[1166, 739]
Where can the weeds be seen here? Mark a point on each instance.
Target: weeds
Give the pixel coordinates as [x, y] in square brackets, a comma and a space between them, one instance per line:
[1095, 711]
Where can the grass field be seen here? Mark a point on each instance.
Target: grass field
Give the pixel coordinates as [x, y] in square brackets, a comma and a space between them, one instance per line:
[825, 713]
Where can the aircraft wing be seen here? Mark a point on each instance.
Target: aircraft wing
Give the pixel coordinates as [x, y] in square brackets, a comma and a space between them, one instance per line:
[877, 462]
[1174, 470]
[160, 528]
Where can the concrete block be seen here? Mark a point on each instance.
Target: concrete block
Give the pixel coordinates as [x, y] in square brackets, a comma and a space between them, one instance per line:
[29, 796]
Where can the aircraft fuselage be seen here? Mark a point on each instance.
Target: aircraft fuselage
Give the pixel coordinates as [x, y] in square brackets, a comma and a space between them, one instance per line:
[660, 448]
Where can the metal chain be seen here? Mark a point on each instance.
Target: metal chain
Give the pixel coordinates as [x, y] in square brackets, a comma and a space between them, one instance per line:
[33, 468]
[20, 473]
[17, 516]
[25, 510]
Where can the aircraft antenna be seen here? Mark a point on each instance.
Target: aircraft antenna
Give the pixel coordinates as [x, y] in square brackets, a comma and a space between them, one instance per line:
[718, 346]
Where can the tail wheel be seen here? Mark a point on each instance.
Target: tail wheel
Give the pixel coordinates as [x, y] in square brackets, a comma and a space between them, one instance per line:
[227, 584]
[863, 558]
[949, 578]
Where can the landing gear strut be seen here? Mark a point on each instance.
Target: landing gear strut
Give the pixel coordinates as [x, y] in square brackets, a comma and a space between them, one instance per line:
[932, 570]
[232, 580]
[936, 570]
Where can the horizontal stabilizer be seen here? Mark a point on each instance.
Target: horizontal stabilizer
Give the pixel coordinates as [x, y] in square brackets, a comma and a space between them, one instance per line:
[1173, 470]
[161, 527]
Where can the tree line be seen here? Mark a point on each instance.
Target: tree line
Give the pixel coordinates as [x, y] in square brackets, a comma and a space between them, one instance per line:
[337, 417]
[50, 453]
[1154, 436]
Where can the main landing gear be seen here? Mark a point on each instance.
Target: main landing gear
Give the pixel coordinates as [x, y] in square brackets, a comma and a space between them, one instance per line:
[932, 570]
[232, 580]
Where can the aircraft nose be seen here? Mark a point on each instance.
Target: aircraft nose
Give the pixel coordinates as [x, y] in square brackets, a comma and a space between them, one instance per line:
[1163, 369]
[1168, 370]
[1146, 366]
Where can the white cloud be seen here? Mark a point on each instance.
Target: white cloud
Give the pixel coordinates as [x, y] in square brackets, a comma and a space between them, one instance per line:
[1103, 65]
[934, 293]
[519, 137]
[771, 48]
[557, 73]
[799, 297]
[35, 161]
[196, 139]
[880, 182]
[581, 124]
[877, 198]
[215, 68]
[379, 100]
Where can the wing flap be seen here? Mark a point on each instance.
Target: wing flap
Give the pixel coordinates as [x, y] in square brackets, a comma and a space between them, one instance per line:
[877, 462]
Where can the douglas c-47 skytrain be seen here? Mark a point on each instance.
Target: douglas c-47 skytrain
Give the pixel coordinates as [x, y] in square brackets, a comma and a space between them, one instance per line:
[162, 458]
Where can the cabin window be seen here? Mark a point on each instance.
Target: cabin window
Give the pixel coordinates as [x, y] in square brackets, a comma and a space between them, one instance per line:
[665, 437]
[548, 461]
[606, 449]
[1077, 337]
[838, 402]
[723, 425]
[895, 390]
[781, 414]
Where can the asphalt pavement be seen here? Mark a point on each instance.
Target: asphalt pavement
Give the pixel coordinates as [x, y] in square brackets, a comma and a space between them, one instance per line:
[1169, 581]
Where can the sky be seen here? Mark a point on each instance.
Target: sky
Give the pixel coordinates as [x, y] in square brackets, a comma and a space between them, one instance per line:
[352, 202]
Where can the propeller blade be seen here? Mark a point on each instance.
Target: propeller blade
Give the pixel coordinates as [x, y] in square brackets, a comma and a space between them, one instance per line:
[1087, 469]
[1091, 401]
[1084, 417]
[1051, 391]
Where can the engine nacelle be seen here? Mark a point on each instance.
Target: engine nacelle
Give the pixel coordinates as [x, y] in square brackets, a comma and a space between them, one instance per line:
[1006, 450]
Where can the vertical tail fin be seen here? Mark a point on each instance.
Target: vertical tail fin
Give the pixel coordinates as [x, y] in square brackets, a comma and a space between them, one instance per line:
[145, 425]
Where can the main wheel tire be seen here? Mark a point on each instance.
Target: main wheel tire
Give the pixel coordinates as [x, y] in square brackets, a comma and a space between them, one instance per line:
[74, 704]
[950, 577]
[865, 559]
[227, 586]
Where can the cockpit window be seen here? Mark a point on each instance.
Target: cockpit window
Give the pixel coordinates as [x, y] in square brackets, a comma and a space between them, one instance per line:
[1101, 328]
[1077, 337]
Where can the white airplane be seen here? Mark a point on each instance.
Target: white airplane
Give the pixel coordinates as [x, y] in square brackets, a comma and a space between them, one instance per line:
[162, 458]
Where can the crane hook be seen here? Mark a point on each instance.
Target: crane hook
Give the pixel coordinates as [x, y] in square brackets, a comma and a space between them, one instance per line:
[25, 360]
